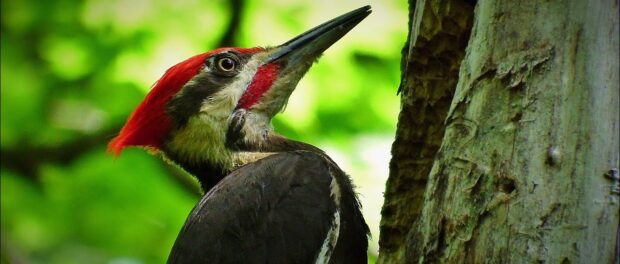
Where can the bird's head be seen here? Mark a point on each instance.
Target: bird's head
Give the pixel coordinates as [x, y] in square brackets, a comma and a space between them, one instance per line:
[215, 105]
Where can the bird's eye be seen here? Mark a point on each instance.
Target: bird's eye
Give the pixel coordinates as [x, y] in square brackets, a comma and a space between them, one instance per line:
[226, 64]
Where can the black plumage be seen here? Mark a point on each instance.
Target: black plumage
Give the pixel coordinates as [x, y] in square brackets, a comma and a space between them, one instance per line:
[276, 210]
[269, 199]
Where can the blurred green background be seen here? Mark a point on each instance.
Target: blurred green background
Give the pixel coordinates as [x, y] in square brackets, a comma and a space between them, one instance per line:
[72, 71]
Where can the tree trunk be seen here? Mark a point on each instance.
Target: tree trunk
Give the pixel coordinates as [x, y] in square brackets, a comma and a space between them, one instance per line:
[510, 153]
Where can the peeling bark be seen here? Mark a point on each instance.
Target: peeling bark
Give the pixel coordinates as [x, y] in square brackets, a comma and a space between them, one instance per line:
[526, 171]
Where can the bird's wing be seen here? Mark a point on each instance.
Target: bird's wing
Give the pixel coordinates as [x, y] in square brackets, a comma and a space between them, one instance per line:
[276, 210]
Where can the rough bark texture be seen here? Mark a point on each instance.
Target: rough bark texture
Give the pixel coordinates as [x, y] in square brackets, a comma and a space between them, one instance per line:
[527, 168]
[438, 35]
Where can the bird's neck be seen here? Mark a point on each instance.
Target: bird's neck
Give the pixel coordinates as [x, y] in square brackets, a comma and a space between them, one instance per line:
[208, 173]
[210, 146]
[218, 158]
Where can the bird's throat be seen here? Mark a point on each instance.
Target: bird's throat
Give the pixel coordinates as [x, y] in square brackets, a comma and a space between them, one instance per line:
[207, 151]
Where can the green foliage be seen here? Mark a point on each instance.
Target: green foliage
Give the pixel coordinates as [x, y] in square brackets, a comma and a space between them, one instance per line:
[98, 208]
[72, 71]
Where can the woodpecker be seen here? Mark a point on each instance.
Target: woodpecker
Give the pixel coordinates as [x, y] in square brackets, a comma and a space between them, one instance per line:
[269, 199]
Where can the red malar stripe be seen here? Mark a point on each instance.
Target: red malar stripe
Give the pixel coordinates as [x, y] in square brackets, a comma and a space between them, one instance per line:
[262, 81]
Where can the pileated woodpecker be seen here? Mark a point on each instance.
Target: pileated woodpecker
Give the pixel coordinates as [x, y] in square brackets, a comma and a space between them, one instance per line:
[269, 199]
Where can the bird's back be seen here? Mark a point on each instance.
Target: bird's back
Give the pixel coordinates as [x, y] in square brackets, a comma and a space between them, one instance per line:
[280, 209]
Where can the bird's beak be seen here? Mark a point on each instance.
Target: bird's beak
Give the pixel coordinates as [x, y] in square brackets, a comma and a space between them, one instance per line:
[283, 66]
[310, 44]
[293, 59]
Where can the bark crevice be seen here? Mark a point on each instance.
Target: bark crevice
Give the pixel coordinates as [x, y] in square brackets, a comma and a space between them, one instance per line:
[431, 60]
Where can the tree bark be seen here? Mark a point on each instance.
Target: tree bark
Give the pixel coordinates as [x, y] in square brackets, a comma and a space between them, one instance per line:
[521, 166]
[438, 35]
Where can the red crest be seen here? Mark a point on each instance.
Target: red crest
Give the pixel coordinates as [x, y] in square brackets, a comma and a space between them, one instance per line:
[149, 124]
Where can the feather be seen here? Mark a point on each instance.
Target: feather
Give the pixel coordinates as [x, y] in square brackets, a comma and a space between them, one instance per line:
[149, 124]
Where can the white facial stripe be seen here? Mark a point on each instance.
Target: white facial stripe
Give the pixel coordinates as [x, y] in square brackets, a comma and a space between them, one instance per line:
[223, 102]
